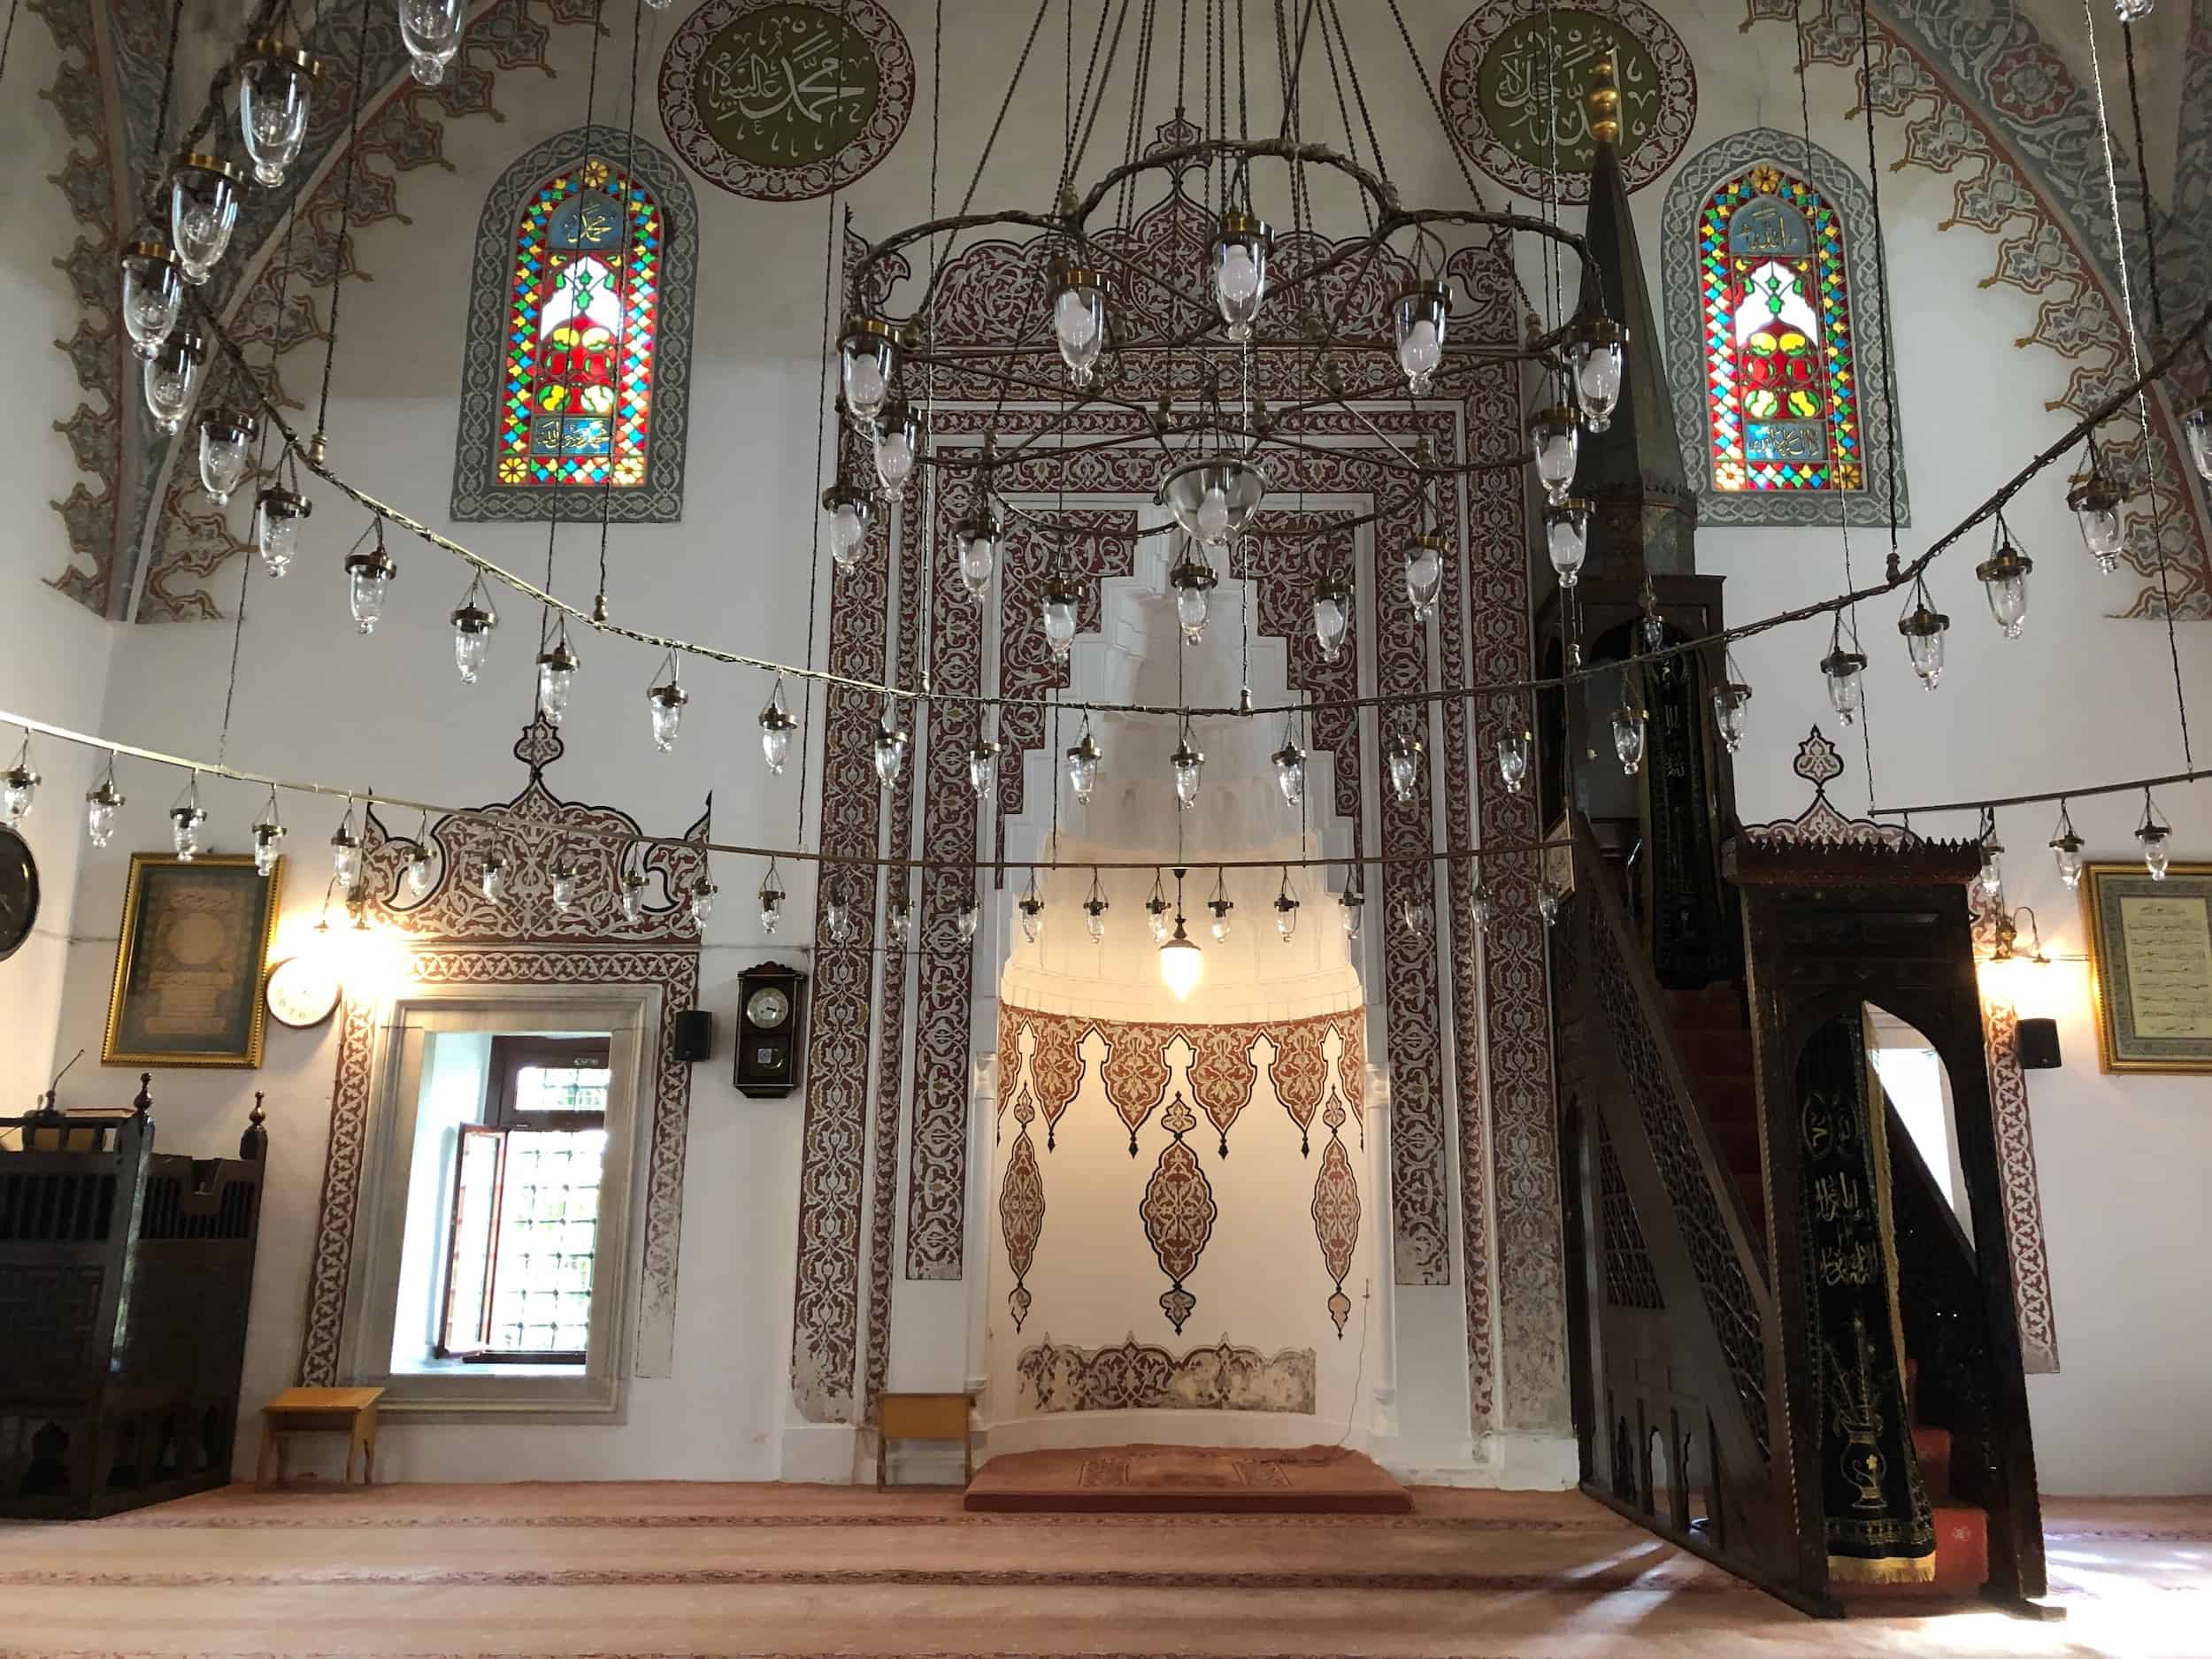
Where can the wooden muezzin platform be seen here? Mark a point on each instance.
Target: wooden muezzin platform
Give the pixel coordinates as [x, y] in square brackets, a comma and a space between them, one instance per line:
[1190, 1479]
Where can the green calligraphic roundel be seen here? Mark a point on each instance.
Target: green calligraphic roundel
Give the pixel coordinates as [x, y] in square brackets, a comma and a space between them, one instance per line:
[780, 100]
[1513, 82]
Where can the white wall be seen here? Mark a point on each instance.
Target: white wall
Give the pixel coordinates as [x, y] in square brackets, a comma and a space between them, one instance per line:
[2083, 696]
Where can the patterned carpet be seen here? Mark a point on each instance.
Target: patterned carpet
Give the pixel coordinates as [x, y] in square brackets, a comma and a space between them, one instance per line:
[795, 1572]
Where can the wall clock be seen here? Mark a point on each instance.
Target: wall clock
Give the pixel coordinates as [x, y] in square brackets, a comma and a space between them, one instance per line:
[303, 991]
[769, 1017]
[19, 892]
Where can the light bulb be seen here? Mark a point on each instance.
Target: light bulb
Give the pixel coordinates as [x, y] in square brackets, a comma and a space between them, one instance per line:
[421, 872]
[2196, 426]
[1213, 515]
[1192, 581]
[664, 705]
[1732, 704]
[226, 437]
[1628, 739]
[1181, 963]
[1351, 909]
[1061, 600]
[889, 750]
[1419, 319]
[1599, 363]
[1332, 615]
[202, 211]
[1923, 628]
[2004, 579]
[1425, 573]
[185, 820]
[2155, 855]
[1567, 538]
[153, 295]
[1221, 905]
[1188, 763]
[1513, 761]
[2096, 503]
[1240, 258]
[633, 897]
[1079, 317]
[867, 359]
[1032, 910]
[2066, 850]
[983, 768]
[18, 788]
[1290, 771]
[1212, 499]
[345, 855]
[171, 379]
[777, 724]
[268, 840]
[1286, 908]
[100, 805]
[898, 441]
[771, 902]
[277, 516]
[1082, 763]
[368, 583]
[1190, 612]
[1403, 758]
[565, 874]
[431, 31]
[275, 84]
[1155, 915]
[1094, 909]
[971, 922]
[1557, 441]
[491, 876]
[556, 676]
[473, 620]
[1845, 671]
[849, 512]
[978, 537]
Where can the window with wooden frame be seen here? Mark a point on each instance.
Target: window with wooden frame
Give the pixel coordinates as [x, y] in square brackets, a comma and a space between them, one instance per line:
[524, 1232]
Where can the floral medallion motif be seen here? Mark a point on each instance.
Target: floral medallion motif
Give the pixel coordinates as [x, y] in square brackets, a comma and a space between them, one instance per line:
[1178, 1212]
[780, 102]
[1055, 1069]
[1301, 1074]
[1513, 80]
[1135, 1071]
[1222, 1074]
[1336, 1217]
[1021, 1213]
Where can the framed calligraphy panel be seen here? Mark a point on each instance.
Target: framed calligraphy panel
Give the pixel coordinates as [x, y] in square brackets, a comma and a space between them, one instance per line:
[188, 965]
[2150, 966]
[1512, 84]
[779, 100]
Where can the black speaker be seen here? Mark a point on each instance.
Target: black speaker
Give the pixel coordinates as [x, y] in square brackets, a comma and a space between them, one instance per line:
[2037, 1045]
[695, 1034]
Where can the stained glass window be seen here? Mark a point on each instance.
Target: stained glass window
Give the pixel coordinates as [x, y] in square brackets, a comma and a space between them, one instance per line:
[582, 324]
[1780, 390]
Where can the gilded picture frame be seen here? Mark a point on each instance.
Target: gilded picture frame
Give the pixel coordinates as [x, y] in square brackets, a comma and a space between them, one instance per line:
[2150, 966]
[191, 962]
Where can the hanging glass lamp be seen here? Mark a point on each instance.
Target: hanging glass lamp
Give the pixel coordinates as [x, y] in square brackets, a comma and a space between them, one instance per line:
[186, 818]
[868, 362]
[556, 675]
[278, 514]
[1513, 750]
[1425, 572]
[1290, 768]
[1567, 538]
[473, 620]
[102, 803]
[664, 703]
[1062, 607]
[368, 581]
[171, 378]
[1419, 317]
[227, 438]
[153, 295]
[1079, 321]
[1193, 581]
[1188, 763]
[1155, 911]
[202, 212]
[268, 837]
[1242, 247]
[2066, 850]
[978, 535]
[777, 724]
[2004, 579]
[1082, 759]
[1331, 614]
[1556, 438]
[898, 443]
[18, 787]
[431, 31]
[1600, 363]
[1213, 499]
[849, 511]
[1923, 628]
[889, 748]
[2096, 500]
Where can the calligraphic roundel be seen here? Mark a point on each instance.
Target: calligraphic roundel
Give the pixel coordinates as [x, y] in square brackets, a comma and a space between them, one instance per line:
[780, 101]
[1512, 84]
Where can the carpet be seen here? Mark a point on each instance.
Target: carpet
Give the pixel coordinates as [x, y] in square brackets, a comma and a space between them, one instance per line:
[624, 1569]
[1148, 1479]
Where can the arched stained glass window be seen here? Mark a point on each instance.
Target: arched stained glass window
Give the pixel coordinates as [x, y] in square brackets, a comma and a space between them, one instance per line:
[1770, 310]
[1781, 394]
[573, 390]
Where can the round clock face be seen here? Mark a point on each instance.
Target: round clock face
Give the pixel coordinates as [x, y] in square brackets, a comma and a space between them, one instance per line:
[302, 992]
[18, 892]
[768, 1008]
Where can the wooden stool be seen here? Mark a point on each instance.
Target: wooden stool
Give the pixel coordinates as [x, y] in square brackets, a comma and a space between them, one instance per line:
[923, 1418]
[347, 1411]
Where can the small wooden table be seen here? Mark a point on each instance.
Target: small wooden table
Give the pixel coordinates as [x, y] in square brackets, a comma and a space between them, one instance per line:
[347, 1411]
[923, 1418]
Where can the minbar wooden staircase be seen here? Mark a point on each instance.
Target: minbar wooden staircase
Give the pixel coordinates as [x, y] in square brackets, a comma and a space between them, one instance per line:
[1697, 1399]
